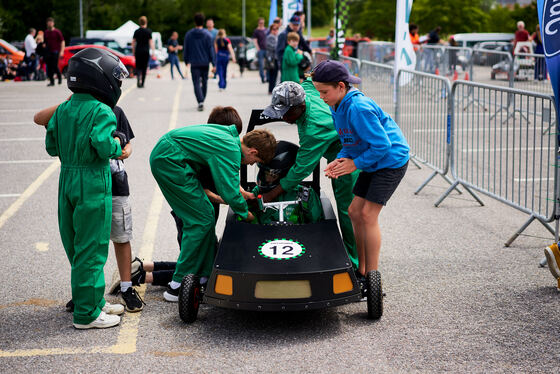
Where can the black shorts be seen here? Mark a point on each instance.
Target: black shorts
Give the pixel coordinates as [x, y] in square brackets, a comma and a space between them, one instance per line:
[378, 186]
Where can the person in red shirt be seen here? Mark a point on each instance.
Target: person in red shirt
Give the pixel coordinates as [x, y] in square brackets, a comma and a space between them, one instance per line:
[414, 36]
[521, 35]
[55, 51]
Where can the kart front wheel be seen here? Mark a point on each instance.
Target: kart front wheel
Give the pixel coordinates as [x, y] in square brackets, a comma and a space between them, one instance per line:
[189, 298]
[374, 295]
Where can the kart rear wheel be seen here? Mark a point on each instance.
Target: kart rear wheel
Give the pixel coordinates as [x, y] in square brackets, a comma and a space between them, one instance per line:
[189, 298]
[374, 295]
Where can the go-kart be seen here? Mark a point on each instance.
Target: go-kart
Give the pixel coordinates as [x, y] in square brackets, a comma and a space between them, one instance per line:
[280, 266]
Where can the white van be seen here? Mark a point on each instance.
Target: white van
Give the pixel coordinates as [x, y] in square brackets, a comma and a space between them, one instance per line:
[470, 39]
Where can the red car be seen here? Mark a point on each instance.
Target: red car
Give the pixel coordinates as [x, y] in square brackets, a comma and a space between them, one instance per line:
[128, 61]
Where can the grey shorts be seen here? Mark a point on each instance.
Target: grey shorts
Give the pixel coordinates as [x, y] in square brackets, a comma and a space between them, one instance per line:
[121, 224]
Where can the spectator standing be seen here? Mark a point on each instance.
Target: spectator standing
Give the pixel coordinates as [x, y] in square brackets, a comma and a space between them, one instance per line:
[330, 39]
[210, 27]
[293, 26]
[414, 36]
[272, 64]
[433, 39]
[172, 48]
[198, 51]
[41, 52]
[540, 63]
[142, 42]
[521, 35]
[30, 55]
[55, 50]
[223, 52]
[292, 58]
[259, 38]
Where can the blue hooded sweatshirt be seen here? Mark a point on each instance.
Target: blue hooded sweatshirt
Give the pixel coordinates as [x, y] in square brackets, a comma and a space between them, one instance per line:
[198, 48]
[369, 136]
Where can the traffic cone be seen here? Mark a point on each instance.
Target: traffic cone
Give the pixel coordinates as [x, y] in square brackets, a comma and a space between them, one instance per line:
[467, 76]
[455, 75]
[437, 71]
[158, 75]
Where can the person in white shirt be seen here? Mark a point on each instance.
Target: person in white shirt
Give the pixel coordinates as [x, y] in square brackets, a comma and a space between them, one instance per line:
[30, 55]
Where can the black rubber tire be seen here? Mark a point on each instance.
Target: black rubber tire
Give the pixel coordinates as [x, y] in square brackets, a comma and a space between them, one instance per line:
[374, 295]
[189, 298]
[493, 76]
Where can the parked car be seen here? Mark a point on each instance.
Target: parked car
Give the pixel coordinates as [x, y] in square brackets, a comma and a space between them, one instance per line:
[127, 51]
[128, 61]
[489, 58]
[9, 50]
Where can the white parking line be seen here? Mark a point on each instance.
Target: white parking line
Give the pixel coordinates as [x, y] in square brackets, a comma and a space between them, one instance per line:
[21, 139]
[15, 123]
[19, 110]
[6, 162]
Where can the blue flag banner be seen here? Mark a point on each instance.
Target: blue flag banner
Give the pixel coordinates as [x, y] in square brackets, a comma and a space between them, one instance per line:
[549, 21]
[273, 12]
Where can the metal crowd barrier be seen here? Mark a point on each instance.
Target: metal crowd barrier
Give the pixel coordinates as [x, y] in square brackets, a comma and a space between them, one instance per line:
[353, 64]
[452, 62]
[423, 114]
[380, 52]
[531, 73]
[319, 57]
[510, 158]
[377, 83]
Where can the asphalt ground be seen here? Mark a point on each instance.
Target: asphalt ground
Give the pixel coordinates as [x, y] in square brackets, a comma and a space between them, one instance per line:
[457, 299]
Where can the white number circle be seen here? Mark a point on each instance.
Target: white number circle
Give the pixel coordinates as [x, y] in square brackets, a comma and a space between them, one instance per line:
[281, 249]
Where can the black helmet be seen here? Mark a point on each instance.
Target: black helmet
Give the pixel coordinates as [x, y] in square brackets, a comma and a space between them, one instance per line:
[270, 174]
[97, 72]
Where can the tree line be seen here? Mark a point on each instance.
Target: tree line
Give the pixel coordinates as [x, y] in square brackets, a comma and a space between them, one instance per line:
[372, 18]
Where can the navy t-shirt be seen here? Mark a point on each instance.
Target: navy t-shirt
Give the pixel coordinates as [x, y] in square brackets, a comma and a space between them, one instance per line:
[172, 43]
[260, 35]
[118, 173]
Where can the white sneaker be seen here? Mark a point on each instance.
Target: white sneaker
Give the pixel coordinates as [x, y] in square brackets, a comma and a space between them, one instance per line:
[113, 308]
[103, 321]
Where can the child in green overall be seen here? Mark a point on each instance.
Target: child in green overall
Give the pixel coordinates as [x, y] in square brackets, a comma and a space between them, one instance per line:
[82, 134]
[302, 105]
[292, 58]
[176, 161]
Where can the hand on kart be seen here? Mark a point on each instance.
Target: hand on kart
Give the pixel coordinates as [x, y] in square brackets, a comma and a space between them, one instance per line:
[273, 194]
[250, 217]
[247, 195]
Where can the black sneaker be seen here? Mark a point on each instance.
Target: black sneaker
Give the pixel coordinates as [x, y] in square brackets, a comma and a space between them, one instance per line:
[70, 306]
[137, 272]
[171, 295]
[132, 301]
[200, 107]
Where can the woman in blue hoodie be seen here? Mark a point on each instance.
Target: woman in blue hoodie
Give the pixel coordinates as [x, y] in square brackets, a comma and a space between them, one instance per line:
[371, 142]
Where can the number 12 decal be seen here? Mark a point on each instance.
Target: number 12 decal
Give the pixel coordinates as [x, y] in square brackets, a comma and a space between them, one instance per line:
[281, 249]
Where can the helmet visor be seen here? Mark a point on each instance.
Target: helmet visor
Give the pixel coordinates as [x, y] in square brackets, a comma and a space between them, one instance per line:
[120, 72]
